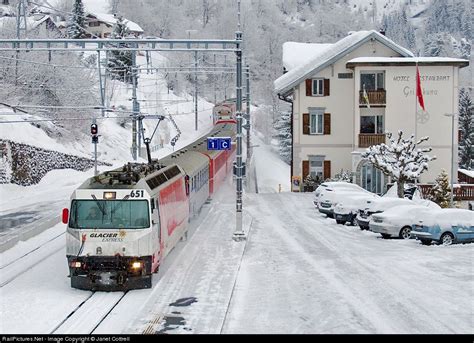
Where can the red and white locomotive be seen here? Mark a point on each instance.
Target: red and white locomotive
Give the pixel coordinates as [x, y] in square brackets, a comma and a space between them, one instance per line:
[122, 223]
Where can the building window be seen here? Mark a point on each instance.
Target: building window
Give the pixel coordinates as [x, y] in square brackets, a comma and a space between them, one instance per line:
[316, 122]
[372, 81]
[94, 23]
[5, 2]
[318, 87]
[316, 167]
[372, 178]
[372, 124]
[345, 75]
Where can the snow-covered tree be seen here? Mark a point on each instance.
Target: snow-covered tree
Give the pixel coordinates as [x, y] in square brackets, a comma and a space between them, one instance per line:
[283, 134]
[441, 191]
[120, 61]
[76, 24]
[343, 175]
[311, 182]
[466, 126]
[400, 159]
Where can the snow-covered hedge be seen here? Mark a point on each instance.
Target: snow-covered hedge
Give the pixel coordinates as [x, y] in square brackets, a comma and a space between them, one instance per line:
[28, 164]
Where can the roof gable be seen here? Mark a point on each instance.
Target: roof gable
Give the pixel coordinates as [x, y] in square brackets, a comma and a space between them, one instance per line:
[331, 54]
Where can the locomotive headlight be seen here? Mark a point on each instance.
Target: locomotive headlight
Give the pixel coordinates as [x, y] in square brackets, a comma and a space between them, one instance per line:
[98, 251]
[76, 264]
[136, 265]
[110, 195]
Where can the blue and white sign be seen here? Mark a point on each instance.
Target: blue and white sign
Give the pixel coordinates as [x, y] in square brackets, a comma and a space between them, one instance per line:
[219, 143]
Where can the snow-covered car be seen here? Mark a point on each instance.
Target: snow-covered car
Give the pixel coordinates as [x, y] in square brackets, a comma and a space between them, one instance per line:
[378, 205]
[445, 226]
[398, 221]
[328, 200]
[331, 186]
[348, 206]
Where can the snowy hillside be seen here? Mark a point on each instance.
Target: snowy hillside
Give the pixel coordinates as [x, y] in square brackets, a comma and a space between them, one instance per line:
[381, 7]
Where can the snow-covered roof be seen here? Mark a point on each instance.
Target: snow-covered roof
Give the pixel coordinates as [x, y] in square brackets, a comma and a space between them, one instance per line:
[111, 20]
[469, 173]
[295, 54]
[407, 61]
[6, 10]
[32, 22]
[327, 56]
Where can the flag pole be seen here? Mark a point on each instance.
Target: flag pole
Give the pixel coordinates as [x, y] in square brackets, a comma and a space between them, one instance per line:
[416, 96]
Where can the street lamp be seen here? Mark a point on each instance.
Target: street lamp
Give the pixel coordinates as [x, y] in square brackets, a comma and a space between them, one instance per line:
[452, 115]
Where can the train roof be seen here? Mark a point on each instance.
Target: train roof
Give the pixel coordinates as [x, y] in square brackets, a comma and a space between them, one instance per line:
[125, 177]
[190, 161]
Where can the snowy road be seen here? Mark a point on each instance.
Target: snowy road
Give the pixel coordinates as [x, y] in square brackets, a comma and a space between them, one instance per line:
[302, 273]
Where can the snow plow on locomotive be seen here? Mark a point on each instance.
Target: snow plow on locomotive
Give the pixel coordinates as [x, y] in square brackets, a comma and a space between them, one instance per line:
[122, 223]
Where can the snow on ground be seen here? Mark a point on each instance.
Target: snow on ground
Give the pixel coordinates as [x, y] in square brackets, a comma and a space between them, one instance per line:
[300, 273]
[271, 170]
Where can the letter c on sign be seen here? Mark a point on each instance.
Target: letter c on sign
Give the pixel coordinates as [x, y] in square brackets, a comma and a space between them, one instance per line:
[224, 145]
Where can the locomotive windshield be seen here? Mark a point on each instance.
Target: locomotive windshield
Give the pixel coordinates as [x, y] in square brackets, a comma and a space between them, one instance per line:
[109, 214]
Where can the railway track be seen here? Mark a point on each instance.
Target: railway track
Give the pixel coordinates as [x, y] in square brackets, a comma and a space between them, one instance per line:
[13, 269]
[89, 314]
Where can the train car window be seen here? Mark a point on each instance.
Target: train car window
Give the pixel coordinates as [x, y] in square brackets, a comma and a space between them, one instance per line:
[109, 214]
[172, 172]
[156, 181]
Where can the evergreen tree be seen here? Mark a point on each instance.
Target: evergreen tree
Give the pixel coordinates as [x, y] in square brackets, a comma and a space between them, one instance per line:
[120, 61]
[466, 125]
[441, 191]
[77, 21]
[434, 45]
[283, 134]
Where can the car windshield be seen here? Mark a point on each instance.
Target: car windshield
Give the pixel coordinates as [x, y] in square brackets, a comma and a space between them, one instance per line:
[109, 214]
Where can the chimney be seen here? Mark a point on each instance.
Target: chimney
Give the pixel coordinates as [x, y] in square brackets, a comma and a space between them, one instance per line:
[382, 32]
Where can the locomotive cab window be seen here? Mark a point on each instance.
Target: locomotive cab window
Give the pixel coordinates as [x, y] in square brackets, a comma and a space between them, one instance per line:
[109, 214]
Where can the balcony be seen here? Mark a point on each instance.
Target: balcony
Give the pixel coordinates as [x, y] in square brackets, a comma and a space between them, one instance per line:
[376, 98]
[368, 139]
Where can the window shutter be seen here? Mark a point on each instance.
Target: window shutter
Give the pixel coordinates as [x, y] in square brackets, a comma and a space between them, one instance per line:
[305, 123]
[326, 87]
[305, 169]
[327, 170]
[309, 87]
[327, 123]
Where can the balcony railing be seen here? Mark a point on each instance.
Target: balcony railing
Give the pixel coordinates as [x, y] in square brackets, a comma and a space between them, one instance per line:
[369, 139]
[377, 97]
[461, 191]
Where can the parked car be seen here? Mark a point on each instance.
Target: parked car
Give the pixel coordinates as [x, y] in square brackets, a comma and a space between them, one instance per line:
[328, 200]
[398, 221]
[331, 186]
[348, 206]
[378, 205]
[445, 226]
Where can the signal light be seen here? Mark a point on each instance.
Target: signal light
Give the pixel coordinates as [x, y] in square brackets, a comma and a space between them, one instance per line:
[94, 129]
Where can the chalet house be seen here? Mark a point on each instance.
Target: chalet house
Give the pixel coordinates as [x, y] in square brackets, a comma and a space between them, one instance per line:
[102, 25]
[348, 95]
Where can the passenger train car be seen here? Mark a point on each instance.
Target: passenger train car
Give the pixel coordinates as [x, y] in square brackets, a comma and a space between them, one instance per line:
[121, 224]
[224, 112]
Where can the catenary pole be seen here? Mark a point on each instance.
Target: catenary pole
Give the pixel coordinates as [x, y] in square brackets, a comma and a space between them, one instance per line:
[239, 233]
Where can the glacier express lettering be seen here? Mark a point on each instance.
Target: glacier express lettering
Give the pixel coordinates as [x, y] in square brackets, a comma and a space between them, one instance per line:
[103, 235]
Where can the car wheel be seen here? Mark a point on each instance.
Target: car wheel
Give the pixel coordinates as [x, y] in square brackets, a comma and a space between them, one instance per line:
[352, 222]
[425, 241]
[342, 222]
[405, 232]
[446, 239]
[385, 236]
